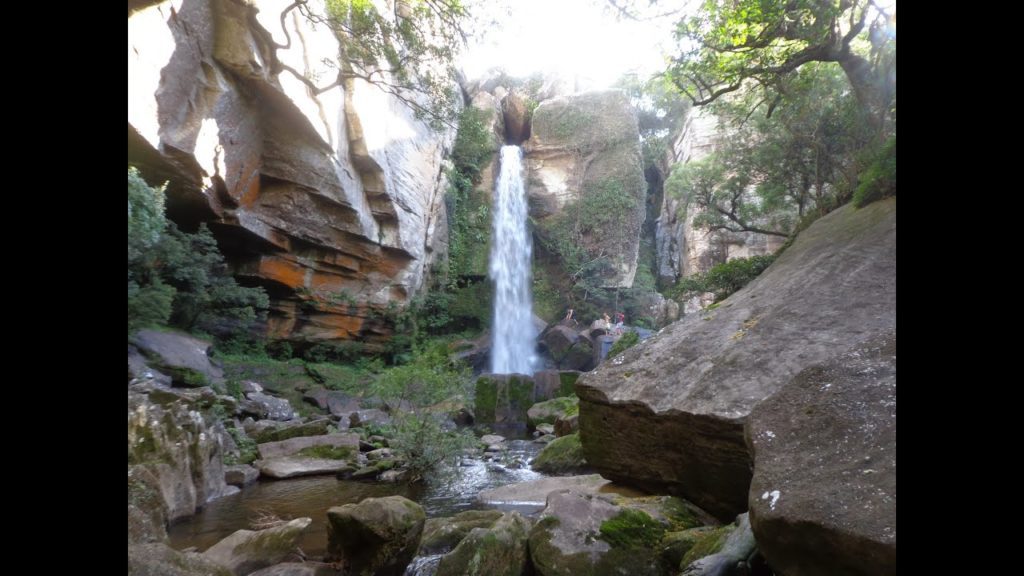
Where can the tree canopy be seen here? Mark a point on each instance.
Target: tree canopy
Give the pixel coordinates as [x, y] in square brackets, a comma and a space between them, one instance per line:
[729, 44]
[768, 172]
[406, 48]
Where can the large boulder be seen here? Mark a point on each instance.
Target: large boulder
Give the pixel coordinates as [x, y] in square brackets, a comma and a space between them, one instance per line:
[376, 537]
[182, 356]
[604, 534]
[668, 414]
[246, 551]
[157, 559]
[499, 550]
[825, 502]
[180, 449]
[441, 535]
[585, 175]
[338, 196]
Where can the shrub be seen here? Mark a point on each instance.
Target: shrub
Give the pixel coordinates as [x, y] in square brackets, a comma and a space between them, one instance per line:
[879, 179]
[722, 279]
[627, 341]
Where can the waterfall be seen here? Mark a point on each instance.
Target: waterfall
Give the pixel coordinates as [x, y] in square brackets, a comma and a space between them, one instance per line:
[512, 350]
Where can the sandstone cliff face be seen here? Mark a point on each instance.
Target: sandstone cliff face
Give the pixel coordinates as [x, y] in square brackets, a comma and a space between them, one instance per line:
[333, 202]
[669, 413]
[683, 250]
[584, 174]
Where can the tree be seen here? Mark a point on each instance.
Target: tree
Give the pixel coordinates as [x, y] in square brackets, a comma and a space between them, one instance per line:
[770, 171]
[728, 44]
[405, 48]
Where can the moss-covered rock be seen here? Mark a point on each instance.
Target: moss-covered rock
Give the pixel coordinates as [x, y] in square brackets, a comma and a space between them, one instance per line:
[157, 559]
[561, 456]
[440, 535]
[549, 411]
[708, 542]
[378, 536]
[246, 551]
[503, 398]
[496, 551]
[587, 188]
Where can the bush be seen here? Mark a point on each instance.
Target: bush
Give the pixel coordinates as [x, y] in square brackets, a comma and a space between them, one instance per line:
[879, 179]
[181, 279]
[722, 279]
[419, 434]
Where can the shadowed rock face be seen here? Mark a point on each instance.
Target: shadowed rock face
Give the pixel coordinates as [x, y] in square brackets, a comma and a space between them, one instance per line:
[825, 502]
[668, 414]
[311, 197]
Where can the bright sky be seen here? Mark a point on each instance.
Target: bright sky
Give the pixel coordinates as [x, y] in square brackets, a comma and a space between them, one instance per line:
[571, 37]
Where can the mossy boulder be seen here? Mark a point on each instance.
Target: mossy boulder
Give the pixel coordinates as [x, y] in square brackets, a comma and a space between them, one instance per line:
[441, 535]
[561, 456]
[376, 537]
[549, 411]
[503, 398]
[496, 551]
[246, 551]
[592, 534]
[158, 559]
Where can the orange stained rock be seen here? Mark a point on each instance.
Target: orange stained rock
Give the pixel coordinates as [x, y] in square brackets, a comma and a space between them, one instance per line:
[287, 272]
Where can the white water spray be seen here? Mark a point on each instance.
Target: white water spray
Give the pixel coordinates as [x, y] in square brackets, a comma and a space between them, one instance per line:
[511, 255]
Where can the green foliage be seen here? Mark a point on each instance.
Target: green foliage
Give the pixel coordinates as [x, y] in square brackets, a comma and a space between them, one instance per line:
[145, 215]
[879, 179]
[625, 342]
[474, 143]
[408, 52]
[427, 379]
[771, 171]
[632, 529]
[418, 434]
[149, 305]
[722, 279]
[469, 217]
[247, 452]
[234, 389]
[660, 112]
[180, 278]
[726, 45]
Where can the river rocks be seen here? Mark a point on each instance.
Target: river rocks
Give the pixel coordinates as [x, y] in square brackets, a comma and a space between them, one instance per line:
[503, 398]
[294, 445]
[549, 411]
[592, 534]
[298, 569]
[262, 405]
[555, 383]
[182, 356]
[668, 414]
[499, 550]
[246, 551]
[158, 559]
[561, 456]
[182, 451]
[825, 503]
[731, 547]
[240, 475]
[585, 175]
[263, 434]
[377, 536]
[535, 492]
[440, 535]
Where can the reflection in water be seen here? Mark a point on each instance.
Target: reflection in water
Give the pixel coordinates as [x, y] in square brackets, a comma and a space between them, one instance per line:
[311, 497]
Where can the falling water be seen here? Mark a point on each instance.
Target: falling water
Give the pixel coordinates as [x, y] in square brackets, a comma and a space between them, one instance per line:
[512, 350]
